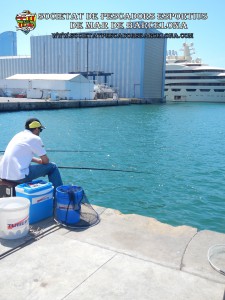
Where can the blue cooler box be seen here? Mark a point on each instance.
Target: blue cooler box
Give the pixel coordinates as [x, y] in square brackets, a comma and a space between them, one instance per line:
[40, 194]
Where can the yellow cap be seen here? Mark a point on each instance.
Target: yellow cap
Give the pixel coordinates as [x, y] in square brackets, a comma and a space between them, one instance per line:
[35, 124]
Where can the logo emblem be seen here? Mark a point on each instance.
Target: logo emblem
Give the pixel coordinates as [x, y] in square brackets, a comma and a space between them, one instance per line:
[26, 21]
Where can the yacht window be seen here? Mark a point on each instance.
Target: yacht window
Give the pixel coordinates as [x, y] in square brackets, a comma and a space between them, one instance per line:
[165, 90]
[191, 90]
[175, 90]
[192, 77]
[196, 71]
[215, 90]
[177, 97]
[204, 90]
[214, 84]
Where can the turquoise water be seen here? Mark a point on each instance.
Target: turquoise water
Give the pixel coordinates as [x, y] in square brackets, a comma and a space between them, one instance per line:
[179, 148]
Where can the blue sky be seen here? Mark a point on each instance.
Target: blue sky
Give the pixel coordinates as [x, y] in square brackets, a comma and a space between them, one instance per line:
[209, 36]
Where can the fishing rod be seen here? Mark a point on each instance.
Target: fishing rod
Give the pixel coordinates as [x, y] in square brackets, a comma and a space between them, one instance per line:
[102, 169]
[72, 151]
[52, 150]
[31, 240]
[93, 168]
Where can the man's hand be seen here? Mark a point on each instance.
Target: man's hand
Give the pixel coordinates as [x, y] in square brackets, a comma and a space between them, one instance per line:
[42, 160]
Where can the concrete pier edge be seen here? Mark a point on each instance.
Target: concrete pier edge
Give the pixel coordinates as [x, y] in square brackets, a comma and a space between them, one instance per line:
[18, 104]
[125, 256]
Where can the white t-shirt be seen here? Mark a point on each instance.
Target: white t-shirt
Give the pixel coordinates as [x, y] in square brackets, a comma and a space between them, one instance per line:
[18, 155]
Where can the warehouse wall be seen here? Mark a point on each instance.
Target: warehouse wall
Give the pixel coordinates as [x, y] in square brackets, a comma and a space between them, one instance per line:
[137, 64]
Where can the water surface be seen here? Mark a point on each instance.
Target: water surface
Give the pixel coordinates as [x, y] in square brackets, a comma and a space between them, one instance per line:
[179, 148]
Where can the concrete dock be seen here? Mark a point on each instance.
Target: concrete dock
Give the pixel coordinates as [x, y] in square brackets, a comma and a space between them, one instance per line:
[18, 104]
[122, 257]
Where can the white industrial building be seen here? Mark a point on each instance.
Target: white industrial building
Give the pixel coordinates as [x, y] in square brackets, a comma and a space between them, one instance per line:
[54, 86]
[134, 67]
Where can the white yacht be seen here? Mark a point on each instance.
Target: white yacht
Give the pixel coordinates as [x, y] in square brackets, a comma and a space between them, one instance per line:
[191, 80]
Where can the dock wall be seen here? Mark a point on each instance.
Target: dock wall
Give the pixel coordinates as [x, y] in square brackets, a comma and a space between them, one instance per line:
[15, 104]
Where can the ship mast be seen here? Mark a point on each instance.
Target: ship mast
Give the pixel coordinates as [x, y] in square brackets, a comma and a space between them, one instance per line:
[187, 51]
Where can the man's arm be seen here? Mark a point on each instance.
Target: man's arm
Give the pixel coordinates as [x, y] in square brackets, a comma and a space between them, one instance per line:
[41, 160]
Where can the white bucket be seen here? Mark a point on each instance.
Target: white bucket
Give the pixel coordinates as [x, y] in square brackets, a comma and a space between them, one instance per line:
[14, 217]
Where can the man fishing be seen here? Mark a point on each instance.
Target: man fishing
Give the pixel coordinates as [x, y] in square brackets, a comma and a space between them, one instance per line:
[25, 148]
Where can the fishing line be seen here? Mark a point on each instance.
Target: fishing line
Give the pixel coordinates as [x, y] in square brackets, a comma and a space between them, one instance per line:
[102, 169]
